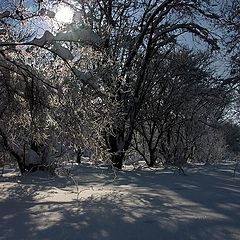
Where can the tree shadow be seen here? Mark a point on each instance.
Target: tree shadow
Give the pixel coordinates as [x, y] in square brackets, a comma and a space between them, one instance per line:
[134, 205]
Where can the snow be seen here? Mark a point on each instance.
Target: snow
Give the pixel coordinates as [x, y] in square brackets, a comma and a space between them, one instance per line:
[83, 35]
[50, 14]
[4, 14]
[46, 38]
[84, 76]
[63, 52]
[139, 204]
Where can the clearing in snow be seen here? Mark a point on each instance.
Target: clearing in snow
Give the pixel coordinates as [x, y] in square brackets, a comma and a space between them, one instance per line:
[96, 203]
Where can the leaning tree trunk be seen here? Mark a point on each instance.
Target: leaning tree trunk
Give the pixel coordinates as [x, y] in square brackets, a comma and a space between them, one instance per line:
[12, 152]
[20, 163]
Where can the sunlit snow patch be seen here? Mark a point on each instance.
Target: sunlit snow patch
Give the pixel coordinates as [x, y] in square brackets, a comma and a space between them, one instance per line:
[64, 14]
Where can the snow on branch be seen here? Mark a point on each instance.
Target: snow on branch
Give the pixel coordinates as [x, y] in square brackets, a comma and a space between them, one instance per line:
[62, 52]
[80, 35]
[46, 38]
[47, 12]
[87, 78]
[4, 14]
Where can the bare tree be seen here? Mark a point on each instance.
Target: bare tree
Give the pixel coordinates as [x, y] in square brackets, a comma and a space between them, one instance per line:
[145, 29]
[44, 97]
[108, 52]
[179, 107]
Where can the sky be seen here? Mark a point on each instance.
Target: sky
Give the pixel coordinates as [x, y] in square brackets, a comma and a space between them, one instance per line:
[40, 25]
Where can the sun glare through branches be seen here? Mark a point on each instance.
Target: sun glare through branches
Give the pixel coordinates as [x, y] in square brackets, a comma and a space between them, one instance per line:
[64, 14]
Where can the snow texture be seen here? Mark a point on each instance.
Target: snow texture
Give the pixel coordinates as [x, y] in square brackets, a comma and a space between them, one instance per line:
[50, 14]
[4, 14]
[131, 205]
[46, 38]
[47, 12]
[84, 76]
[81, 35]
[63, 52]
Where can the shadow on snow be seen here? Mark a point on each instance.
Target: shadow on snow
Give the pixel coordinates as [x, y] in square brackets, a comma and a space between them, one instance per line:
[135, 205]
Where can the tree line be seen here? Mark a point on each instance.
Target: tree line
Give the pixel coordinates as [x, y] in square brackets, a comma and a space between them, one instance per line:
[124, 78]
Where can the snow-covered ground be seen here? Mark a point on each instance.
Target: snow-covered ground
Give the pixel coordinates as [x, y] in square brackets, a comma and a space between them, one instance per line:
[126, 205]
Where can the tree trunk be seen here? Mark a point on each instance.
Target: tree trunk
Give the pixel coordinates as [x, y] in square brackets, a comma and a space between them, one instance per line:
[117, 144]
[153, 158]
[19, 161]
[12, 152]
[115, 149]
[117, 160]
[79, 156]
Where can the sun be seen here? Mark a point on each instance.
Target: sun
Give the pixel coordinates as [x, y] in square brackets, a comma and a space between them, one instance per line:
[64, 14]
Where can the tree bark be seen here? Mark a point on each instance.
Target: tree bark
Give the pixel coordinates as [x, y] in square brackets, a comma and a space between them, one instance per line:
[117, 144]
[12, 152]
[79, 156]
[153, 158]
